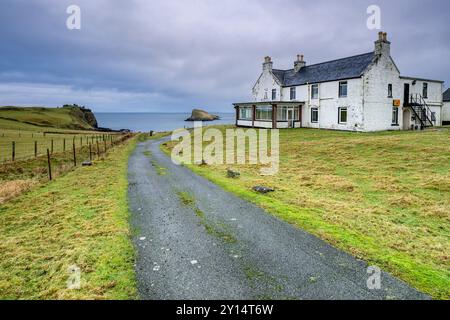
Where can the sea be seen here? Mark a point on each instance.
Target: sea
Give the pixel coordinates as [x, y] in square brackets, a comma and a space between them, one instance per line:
[145, 122]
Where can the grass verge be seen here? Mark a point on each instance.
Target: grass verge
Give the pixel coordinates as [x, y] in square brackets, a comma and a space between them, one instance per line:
[382, 197]
[79, 219]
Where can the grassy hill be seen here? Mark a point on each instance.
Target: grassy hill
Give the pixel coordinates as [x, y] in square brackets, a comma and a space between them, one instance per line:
[37, 118]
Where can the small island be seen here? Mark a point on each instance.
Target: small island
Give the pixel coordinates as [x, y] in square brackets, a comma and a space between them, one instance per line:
[201, 115]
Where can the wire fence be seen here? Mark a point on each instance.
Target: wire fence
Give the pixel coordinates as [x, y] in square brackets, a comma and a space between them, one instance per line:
[16, 146]
[48, 165]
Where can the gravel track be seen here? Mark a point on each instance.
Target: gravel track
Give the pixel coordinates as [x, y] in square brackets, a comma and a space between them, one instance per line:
[196, 241]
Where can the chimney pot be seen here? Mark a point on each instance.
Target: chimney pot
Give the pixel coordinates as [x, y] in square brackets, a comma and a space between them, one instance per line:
[382, 45]
[268, 64]
[300, 63]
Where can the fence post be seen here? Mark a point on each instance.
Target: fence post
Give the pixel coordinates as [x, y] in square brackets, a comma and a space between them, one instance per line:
[74, 155]
[64, 145]
[104, 142]
[13, 151]
[81, 141]
[90, 152]
[49, 165]
[52, 147]
[35, 149]
[98, 151]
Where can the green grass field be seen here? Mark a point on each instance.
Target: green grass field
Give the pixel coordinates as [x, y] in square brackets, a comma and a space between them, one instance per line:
[383, 197]
[60, 127]
[79, 219]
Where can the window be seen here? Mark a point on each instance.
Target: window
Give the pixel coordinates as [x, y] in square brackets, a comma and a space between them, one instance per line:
[315, 91]
[274, 94]
[293, 93]
[343, 89]
[390, 90]
[314, 115]
[342, 118]
[395, 116]
[296, 113]
[282, 113]
[264, 113]
[245, 113]
[425, 91]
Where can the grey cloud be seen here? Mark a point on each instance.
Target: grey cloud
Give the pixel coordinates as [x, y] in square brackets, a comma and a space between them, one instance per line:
[172, 55]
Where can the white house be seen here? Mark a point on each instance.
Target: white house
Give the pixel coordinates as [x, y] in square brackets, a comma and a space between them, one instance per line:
[360, 93]
[446, 108]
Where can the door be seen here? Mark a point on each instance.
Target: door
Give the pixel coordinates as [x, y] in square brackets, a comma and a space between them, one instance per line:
[406, 119]
[290, 118]
[406, 95]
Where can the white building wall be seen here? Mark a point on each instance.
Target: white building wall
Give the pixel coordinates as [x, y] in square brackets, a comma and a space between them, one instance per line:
[329, 103]
[377, 105]
[262, 91]
[434, 98]
[263, 124]
[434, 90]
[446, 112]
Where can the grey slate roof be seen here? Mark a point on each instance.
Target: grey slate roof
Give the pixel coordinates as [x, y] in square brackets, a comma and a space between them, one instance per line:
[346, 68]
[447, 95]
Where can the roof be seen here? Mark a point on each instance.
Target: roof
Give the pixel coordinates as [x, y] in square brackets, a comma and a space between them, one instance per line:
[421, 79]
[447, 95]
[346, 68]
[268, 103]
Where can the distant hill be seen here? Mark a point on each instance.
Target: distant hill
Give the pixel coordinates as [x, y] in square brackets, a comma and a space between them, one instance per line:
[67, 117]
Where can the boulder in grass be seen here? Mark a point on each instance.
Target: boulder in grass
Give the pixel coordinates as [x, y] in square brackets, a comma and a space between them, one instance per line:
[86, 163]
[263, 190]
[233, 174]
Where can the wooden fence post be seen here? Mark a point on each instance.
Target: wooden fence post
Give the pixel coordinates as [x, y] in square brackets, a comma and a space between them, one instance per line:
[104, 142]
[35, 149]
[49, 165]
[64, 144]
[52, 148]
[90, 152]
[98, 151]
[74, 155]
[13, 151]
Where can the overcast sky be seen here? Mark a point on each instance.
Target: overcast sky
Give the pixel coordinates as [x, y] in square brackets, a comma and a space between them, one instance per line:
[169, 56]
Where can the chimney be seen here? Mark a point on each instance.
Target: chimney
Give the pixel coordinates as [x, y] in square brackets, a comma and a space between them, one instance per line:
[300, 63]
[268, 64]
[382, 45]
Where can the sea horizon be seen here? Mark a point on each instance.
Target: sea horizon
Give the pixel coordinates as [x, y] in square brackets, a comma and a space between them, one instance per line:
[154, 121]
